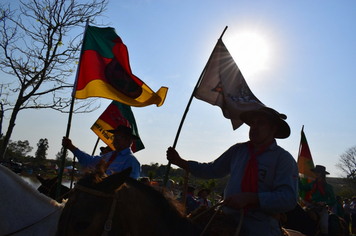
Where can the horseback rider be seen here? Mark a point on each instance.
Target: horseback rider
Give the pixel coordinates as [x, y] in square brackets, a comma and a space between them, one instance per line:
[322, 196]
[263, 176]
[119, 159]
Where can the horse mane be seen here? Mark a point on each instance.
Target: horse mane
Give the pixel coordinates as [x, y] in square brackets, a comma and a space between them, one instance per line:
[93, 176]
[159, 196]
[8, 174]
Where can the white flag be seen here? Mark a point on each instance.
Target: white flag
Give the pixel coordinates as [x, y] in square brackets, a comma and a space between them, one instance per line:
[223, 85]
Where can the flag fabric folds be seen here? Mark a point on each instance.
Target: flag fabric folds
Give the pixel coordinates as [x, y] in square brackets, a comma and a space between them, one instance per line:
[105, 71]
[223, 85]
[305, 164]
[116, 114]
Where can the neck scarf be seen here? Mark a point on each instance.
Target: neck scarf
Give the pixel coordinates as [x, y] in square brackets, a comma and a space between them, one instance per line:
[112, 158]
[318, 185]
[249, 181]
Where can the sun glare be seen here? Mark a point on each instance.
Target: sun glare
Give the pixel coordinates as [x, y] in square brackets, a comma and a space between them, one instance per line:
[250, 52]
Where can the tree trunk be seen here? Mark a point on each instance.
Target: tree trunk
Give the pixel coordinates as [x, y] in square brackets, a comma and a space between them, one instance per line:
[10, 128]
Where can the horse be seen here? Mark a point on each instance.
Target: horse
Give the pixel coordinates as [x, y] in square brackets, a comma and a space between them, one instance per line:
[24, 211]
[120, 205]
[307, 222]
[49, 188]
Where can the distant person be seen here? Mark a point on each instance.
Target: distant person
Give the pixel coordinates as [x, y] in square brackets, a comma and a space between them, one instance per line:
[322, 196]
[117, 160]
[347, 212]
[353, 214]
[145, 180]
[263, 176]
[203, 197]
[104, 150]
[170, 187]
[191, 203]
[338, 207]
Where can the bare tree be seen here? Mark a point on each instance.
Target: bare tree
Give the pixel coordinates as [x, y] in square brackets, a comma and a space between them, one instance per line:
[40, 50]
[347, 163]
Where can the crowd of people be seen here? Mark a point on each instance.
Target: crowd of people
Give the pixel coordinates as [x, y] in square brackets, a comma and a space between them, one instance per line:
[346, 209]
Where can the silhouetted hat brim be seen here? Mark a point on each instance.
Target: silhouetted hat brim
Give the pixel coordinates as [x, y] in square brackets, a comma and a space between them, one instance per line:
[124, 129]
[319, 168]
[283, 130]
[202, 190]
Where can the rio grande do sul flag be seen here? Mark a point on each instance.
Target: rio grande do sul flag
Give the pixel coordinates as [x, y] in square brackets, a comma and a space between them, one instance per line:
[223, 85]
[105, 71]
[305, 163]
[116, 114]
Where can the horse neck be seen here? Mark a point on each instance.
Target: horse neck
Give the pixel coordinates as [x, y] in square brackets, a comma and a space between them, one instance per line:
[148, 212]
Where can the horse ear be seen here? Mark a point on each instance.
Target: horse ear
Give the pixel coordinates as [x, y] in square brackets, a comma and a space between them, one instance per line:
[40, 178]
[114, 181]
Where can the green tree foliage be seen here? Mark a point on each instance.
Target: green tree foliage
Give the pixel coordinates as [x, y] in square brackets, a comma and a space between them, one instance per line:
[42, 147]
[212, 184]
[20, 148]
[151, 174]
[59, 155]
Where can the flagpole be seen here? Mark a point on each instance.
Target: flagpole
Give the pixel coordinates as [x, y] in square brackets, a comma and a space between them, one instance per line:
[96, 144]
[64, 154]
[61, 168]
[300, 145]
[182, 121]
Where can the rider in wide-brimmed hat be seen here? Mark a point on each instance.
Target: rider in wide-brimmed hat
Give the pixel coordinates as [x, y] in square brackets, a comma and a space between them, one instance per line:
[322, 196]
[203, 197]
[118, 160]
[263, 176]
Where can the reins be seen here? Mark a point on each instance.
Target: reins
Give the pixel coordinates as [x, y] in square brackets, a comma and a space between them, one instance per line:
[115, 196]
[26, 227]
[218, 206]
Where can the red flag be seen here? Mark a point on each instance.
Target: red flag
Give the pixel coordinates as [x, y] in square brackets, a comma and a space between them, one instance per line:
[305, 164]
[116, 114]
[105, 71]
[223, 85]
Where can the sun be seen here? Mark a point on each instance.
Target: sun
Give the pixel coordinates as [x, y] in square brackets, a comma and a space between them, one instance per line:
[250, 52]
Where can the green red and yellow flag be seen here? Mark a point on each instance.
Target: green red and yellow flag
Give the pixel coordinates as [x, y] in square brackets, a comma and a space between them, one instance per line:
[305, 164]
[116, 114]
[105, 71]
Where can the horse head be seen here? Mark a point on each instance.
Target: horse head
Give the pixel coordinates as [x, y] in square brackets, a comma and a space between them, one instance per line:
[49, 188]
[46, 184]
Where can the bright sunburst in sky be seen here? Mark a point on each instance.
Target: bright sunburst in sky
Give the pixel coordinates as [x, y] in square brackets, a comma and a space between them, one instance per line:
[250, 52]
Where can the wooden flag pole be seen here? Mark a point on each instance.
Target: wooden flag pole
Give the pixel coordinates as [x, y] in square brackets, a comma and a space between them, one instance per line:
[181, 124]
[61, 168]
[96, 144]
[64, 154]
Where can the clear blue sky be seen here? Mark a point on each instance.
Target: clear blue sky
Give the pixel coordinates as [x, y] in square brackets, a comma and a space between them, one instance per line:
[306, 69]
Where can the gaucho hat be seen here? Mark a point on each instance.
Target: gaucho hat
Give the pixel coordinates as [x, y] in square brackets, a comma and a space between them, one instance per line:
[321, 169]
[283, 130]
[204, 190]
[124, 129]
